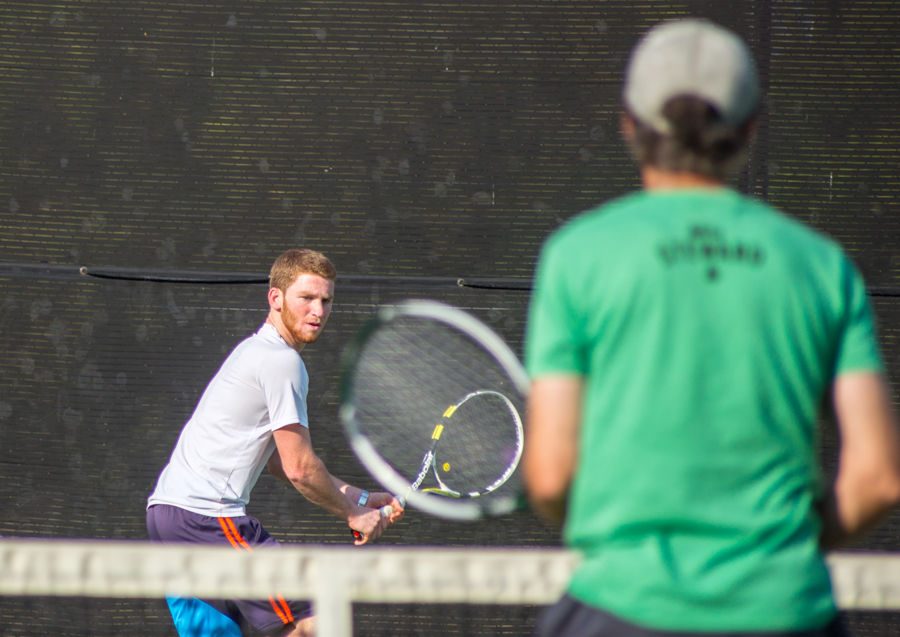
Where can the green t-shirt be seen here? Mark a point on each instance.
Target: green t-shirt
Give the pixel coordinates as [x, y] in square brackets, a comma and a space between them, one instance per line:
[707, 327]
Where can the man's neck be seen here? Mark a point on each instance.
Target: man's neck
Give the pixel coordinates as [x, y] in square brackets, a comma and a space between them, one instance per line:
[656, 179]
[283, 333]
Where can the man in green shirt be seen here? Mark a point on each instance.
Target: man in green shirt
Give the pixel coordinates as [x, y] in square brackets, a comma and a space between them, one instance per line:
[681, 341]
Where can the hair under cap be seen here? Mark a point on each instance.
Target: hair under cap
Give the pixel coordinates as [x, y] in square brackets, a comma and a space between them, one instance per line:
[691, 58]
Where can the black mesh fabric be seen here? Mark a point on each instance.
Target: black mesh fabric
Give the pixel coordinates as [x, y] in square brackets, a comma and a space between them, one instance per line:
[416, 144]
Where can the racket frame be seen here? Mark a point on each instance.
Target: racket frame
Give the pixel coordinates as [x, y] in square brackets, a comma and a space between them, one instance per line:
[455, 507]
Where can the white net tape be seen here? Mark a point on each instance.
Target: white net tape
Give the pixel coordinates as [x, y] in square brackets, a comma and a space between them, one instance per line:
[335, 577]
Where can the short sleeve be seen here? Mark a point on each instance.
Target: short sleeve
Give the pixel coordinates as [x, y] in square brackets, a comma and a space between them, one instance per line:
[857, 346]
[554, 341]
[285, 384]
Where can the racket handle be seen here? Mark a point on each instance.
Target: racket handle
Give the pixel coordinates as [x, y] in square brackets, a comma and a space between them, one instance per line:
[385, 511]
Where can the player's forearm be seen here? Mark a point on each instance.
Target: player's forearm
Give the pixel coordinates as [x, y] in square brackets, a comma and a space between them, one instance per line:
[350, 492]
[318, 486]
[550, 458]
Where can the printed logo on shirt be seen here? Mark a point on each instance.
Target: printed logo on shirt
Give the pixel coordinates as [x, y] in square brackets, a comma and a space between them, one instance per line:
[709, 245]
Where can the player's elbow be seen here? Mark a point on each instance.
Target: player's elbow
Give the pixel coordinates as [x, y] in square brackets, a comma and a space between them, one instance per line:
[889, 480]
[887, 486]
[878, 485]
[545, 488]
[879, 476]
[301, 475]
[547, 477]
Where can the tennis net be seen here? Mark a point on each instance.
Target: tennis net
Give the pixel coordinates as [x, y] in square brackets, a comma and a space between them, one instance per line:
[337, 578]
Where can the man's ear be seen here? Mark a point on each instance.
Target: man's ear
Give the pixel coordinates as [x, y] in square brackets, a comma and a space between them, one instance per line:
[276, 299]
[751, 128]
[626, 126]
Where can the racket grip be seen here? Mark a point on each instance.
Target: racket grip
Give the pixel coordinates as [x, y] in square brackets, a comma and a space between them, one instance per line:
[385, 511]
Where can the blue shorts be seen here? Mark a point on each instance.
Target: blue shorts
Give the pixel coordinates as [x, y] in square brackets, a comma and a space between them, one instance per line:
[222, 618]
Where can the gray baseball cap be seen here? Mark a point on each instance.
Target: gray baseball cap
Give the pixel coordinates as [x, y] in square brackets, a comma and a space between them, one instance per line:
[691, 57]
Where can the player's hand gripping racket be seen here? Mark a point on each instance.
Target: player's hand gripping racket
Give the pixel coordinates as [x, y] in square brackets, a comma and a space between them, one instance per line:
[431, 402]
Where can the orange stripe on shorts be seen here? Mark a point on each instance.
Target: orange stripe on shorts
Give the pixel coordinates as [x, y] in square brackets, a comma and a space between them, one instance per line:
[288, 615]
[226, 529]
[278, 611]
[237, 534]
[234, 537]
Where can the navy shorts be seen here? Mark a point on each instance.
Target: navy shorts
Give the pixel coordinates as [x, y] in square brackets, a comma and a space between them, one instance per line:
[572, 618]
[172, 524]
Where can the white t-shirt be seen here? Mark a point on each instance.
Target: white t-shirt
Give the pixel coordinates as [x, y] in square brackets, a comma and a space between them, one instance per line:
[225, 445]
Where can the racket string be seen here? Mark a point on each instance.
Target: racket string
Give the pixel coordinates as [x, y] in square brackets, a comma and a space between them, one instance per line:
[412, 377]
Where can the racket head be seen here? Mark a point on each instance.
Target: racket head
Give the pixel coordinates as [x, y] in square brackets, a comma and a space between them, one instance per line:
[454, 471]
[423, 368]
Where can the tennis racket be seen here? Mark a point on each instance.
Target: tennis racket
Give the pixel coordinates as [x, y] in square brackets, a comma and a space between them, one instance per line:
[431, 401]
